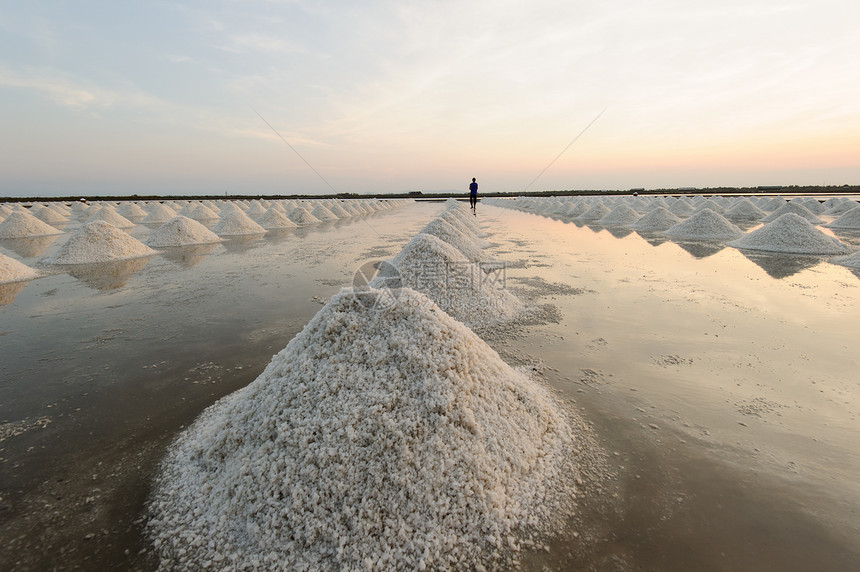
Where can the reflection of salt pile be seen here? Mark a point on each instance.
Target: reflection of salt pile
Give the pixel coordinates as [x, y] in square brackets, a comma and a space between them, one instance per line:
[461, 288]
[849, 220]
[99, 241]
[181, 231]
[236, 223]
[656, 220]
[159, 214]
[704, 225]
[13, 271]
[22, 224]
[793, 234]
[382, 436]
[852, 261]
[275, 218]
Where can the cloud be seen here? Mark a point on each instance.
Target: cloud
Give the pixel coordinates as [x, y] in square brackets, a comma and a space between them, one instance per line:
[256, 42]
[58, 90]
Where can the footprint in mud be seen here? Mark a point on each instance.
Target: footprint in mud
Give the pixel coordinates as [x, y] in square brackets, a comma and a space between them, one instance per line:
[597, 344]
[592, 377]
[668, 360]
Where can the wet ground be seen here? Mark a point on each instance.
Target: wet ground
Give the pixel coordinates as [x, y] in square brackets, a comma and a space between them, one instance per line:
[725, 388]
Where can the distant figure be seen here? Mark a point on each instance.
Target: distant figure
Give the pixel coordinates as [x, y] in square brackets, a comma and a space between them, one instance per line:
[473, 193]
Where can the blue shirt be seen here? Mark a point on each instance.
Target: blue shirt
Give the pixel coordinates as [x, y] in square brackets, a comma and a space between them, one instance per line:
[473, 188]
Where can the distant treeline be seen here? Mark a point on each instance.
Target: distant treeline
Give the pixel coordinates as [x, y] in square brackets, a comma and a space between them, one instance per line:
[421, 195]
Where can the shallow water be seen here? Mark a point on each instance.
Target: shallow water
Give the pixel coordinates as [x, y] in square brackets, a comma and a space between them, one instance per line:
[723, 385]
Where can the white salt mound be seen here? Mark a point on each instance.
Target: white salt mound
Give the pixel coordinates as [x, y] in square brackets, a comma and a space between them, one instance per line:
[465, 243]
[619, 215]
[322, 213]
[848, 220]
[275, 218]
[202, 212]
[656, 220]
[99, 241]
[181, 231]
[385, 437]
[744, 210]
[441, 272]
[302, 217]
[13, 271]
[338, 211]
[236, 223]
[595, 212]
[794, 208]
[22, 224]
[108, 214]
[704, 225]
[131, 209]
[51, 216]
[159, 214]
[790, 233]
[852, 261]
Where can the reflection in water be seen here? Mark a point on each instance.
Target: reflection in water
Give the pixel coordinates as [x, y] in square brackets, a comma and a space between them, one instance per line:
[187, 256]
[619, 231]
[28, 247]
[241, 243]
[9, 290]
[700, 249]
[277, 235]
[652, 238]
[780, 265]
[106, 275]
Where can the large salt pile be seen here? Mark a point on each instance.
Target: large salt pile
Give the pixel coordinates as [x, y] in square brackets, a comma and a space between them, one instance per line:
[323, 214]
[108, 214]
[13, 271]
[129, 209]
[790, 233]
[704, 225]
[275, 218]
[302, 217]
[656, 220]
[466, 243]
[441, 272]
[596, 212]
[202, 212]
[21, 224]
[159, 214]
[384, 436]
[620, 214]
[794, 208]
[744, 210]
[338, 211]
[848, 220]
[236, 223]
[181, 231]
[52, 216]
[99, 241]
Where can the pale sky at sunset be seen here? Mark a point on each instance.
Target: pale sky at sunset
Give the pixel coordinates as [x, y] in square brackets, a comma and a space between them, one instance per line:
[158, 97]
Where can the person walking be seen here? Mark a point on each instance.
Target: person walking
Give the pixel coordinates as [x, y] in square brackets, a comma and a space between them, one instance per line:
[473, 194]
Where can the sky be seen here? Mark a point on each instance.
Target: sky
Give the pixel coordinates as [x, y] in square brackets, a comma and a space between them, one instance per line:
[261, 97]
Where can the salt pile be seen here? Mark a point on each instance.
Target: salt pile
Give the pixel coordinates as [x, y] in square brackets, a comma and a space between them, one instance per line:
[181, 231]
[13, 271]
[463, 242]
[132, 210]
[794, 208]
[201, 212]
[441, 272]
[22, 224]
[99, 241]
[744, 210]
[302, 217]
[108, 214]
[236, 223]
[159, 214]
[275, 218]
[596, 212]
[848, 220]
[656, 220]
[338, 211]
[382, 437]
[704, 225]
[323, 213]
[621, 214]
[51, 216]
[790, 233]
[852, 261]
[681, 209]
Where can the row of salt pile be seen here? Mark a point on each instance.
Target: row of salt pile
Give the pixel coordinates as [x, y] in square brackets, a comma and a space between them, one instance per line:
[386, 435]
